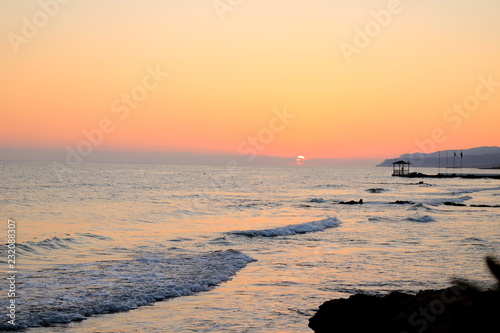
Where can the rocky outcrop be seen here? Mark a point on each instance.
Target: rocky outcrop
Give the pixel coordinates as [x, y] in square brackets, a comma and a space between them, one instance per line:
[352, 202]
[402, 202]
[452, 203]
[460, 308]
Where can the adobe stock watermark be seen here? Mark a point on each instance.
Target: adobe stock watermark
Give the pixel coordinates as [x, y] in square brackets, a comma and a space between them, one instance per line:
[30, 26]
[455, 116]
[12, 271]
[420, 319]
[223, 6]
[121, 108]
[253, 144]
[248, 149]
[363, 36]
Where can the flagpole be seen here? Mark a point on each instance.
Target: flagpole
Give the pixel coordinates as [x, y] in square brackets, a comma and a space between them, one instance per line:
[454, 157]
[439, 163]
[461, 163]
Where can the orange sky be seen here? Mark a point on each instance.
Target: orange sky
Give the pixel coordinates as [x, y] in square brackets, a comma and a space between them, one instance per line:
[221, 71]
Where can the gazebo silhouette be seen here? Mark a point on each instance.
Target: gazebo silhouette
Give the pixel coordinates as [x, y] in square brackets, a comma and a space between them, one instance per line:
[401, 168]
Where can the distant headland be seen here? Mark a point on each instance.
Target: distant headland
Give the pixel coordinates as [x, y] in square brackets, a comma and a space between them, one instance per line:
[480, 157]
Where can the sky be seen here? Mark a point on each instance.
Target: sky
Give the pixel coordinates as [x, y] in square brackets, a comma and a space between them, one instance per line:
[327, 80]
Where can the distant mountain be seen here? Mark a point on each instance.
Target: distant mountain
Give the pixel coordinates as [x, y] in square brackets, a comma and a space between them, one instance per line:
[480, 157]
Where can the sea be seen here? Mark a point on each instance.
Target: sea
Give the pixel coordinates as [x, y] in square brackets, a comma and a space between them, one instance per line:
[160, 248]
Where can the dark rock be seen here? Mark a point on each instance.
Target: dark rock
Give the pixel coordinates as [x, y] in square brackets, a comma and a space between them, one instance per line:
[376, 190]
[461, 308]
[352, 202]
[451, 203]
[420, 183]
[402, 202]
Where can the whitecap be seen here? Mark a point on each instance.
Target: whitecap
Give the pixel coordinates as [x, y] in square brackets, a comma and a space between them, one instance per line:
[292, 229]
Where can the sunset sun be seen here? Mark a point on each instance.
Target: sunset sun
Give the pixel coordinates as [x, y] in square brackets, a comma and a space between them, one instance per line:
[299, 160]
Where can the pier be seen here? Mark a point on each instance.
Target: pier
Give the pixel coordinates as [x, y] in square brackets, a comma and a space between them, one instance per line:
[453, 175]
[402, 169]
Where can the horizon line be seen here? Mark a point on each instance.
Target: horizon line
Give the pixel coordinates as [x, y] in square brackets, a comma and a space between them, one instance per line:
[173, 158]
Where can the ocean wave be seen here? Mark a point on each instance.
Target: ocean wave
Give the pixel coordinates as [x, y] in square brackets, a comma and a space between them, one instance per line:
[187, 212]
[376, 218]
[55, 243]
[476, 242]
[455, 200]
[473, 239]
[420, 218]
[75, 292]
[420, 206]
[254, 205]
[292, 229]
[328, 186]
[474, 190]
[52, 243]
[91, 235]
[317, 200]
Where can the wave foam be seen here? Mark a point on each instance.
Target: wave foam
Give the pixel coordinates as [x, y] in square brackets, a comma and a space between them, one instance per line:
[74, 292]
[292, 229]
